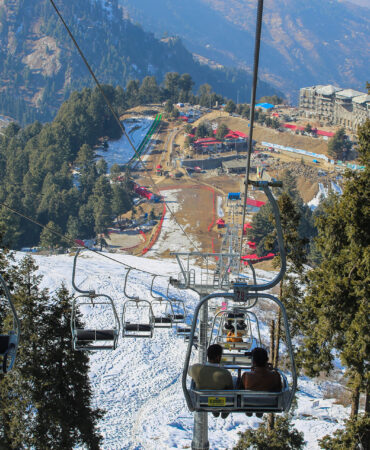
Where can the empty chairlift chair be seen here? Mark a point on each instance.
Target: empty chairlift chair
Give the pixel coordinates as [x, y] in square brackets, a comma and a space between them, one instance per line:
[179, 315]
[162, 309]
[93, 336]
[137, 316]
[8, 340]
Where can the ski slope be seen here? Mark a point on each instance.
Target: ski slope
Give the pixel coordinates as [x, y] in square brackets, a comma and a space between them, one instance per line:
[139, 384]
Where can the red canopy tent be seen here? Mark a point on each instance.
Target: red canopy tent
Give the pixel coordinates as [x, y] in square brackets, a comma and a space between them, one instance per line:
[257, 203]
[253, 258]
[247, 226]
[220, 223]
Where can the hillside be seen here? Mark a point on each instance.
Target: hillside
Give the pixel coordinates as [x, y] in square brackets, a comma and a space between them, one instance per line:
[139, 384]
[304, 43]
[39, 67]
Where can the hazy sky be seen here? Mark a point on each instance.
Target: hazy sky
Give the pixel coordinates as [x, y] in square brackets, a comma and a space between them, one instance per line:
[360, 2]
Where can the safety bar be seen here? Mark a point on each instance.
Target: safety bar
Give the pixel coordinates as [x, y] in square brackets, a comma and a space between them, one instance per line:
[90, 293]
[192, 332]
[104, 300]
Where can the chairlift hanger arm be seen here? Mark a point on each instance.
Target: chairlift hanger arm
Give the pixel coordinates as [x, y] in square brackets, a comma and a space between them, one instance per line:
[131, 297]
[151, 290]
[89, 293]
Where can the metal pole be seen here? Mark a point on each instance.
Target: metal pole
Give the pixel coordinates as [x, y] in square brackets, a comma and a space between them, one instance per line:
[200, 430]
[251, 117]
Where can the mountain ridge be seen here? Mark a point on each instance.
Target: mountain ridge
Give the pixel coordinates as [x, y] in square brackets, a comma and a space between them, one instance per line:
[303, 44]
[39, 66]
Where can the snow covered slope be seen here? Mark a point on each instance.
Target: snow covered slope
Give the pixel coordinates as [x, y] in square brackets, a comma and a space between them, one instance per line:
[139, 384]
[120, 151]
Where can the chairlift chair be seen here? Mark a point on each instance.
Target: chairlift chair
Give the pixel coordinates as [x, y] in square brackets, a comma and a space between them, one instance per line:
[90, 337]
[160, 307]
[178, 308]
[8, 341]
[237, 352]
[238, 400]
[140, 328]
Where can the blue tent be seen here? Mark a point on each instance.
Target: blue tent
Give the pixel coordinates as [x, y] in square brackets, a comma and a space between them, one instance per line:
[233, 196]
[265, 105]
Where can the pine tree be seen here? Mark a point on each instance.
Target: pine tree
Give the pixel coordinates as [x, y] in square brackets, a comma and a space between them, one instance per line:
[282, 437]
[336, 307]
[355, 435]
[102, 196]
[66, 414]
[49, 239]
[45, 402]
[339, 145]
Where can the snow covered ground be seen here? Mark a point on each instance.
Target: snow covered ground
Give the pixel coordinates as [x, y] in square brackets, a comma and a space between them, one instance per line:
[171, 237]
[220, 211]
[120, 151]
[139, 384]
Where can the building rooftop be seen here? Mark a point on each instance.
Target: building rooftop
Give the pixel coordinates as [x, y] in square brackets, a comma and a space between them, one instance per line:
[235, 164]
[327, 90]
[349, 93]
[364, 98]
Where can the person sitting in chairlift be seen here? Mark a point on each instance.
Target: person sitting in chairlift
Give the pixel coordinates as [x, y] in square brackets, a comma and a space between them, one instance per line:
[262, 376]
[235, 336]
[211, 375]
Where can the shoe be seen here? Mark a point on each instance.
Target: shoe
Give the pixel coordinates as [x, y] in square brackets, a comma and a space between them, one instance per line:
[224, 415]
[249, 414]
[259, 415]
[216, 414]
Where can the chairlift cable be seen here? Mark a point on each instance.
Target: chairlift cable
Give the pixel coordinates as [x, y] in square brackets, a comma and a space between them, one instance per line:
[138, 155]
[251, 117]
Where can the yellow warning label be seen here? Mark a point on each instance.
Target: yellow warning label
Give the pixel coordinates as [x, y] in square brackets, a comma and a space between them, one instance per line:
[216, 401]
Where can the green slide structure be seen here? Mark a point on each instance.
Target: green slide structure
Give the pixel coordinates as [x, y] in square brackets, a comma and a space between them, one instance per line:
[154, 126]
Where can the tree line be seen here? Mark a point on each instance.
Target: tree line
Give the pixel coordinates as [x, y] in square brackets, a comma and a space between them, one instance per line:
[37, 161]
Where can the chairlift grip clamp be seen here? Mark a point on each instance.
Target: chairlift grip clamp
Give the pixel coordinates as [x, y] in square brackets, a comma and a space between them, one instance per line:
[263, 183]
[174, 282]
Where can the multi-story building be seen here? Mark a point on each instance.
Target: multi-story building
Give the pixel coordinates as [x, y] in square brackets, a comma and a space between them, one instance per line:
[333, 105]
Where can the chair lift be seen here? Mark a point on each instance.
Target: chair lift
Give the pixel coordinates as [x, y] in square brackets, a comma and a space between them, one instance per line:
[235, 352]
[179, 317]
[160, 306]
[137, 329]
[245, 400]
[9, 342]
[92, 338]
[178, 308]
